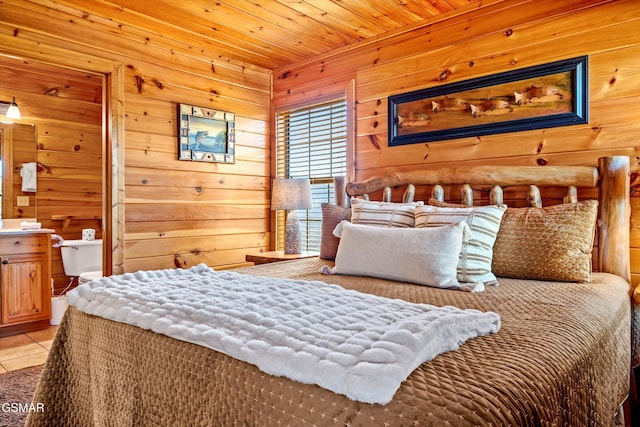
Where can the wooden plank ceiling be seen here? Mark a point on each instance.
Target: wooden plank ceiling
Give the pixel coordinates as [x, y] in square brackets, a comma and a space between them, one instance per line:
[266, 33]
[271, 33]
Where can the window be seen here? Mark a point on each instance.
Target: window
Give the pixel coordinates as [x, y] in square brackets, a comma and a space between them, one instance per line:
[311, 142]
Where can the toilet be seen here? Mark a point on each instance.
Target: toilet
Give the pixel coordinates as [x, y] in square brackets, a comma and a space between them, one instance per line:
[82, 259]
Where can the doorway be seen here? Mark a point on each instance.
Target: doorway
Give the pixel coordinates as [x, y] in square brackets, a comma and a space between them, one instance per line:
[89, 201]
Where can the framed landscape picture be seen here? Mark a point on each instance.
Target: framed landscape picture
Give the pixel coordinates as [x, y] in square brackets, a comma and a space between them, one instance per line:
[206, 135]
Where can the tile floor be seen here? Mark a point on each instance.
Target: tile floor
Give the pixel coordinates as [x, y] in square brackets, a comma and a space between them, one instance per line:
[24, 350]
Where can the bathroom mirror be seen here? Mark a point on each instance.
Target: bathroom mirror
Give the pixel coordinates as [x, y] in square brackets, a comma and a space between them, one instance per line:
[18, 174]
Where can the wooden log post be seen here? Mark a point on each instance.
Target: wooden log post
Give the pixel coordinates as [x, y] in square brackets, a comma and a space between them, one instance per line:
[571, 196]
[496, 196]
[467, 195]
[340, 191]
[386, 194]
[580, 176]
[615, 214]
[437, 193]
[533, 197]
[409, 194]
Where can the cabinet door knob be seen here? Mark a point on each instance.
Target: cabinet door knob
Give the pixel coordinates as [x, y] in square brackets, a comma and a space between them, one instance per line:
[5, 261]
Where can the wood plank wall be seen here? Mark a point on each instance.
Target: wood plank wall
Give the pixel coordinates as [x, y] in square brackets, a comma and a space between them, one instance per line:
[497, 38]
[177, 213]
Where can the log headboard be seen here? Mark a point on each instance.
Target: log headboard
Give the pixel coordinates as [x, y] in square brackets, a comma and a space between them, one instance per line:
[611, 177]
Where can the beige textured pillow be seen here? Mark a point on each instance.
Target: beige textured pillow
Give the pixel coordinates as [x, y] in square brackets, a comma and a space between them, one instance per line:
[474, 265]
[426, 256]
[383, 214]
[331, 216]
[550, 243]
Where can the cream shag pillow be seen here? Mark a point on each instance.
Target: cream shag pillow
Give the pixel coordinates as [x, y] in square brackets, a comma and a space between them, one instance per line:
[475, 260]
[383, 214]
[427, 256]
[549, 243]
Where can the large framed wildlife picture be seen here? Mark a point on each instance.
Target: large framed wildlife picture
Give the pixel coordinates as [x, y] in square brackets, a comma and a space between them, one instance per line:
[542, 96]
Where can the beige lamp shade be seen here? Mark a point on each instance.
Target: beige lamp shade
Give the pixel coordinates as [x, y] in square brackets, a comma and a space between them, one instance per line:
[291, 194]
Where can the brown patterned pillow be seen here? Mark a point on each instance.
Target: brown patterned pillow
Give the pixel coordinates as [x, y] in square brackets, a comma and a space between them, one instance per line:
[550, 243]
[331, 216]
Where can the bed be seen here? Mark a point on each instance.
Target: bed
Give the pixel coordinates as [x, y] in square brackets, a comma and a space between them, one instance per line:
[562, 354]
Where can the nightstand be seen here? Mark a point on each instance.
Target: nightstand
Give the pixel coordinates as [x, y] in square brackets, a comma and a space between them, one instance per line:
[276, 256]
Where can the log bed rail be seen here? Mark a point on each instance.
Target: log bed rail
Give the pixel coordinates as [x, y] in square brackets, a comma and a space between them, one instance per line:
[611, 177]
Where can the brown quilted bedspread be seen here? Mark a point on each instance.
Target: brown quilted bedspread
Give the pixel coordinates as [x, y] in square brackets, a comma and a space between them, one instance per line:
[561, 358]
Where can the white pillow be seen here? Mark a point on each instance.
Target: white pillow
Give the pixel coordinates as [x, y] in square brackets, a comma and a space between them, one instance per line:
[476, 255]
[383, 214]
[426, 256]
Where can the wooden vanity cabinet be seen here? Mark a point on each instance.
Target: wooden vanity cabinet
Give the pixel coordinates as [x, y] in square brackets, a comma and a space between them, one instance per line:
[25, 282]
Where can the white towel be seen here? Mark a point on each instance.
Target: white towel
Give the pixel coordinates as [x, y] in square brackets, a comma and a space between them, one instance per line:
[29, 225]
[29, 173]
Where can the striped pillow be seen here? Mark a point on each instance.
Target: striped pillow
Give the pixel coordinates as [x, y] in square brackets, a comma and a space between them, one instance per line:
[474, 264]
[383, 214]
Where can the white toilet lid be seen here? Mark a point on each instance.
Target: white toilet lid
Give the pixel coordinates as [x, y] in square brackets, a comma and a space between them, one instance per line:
[90, 275]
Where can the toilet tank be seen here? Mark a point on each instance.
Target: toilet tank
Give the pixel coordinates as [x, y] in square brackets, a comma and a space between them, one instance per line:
[80, 256]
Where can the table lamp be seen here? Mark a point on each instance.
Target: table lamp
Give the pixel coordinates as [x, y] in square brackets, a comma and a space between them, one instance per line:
[289, 195]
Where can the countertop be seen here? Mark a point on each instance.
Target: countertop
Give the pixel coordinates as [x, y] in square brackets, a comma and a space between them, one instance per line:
[19, 231]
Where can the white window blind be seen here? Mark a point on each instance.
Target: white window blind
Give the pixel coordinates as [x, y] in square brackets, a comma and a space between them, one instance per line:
[311, 142]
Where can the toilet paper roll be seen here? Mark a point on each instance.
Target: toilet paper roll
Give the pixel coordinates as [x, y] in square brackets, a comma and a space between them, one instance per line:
[88, 234]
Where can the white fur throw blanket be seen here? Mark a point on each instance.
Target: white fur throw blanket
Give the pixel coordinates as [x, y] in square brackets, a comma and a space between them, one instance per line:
[356, 344]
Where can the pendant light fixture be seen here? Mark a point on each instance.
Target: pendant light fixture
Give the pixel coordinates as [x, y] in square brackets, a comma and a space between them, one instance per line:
[13, 112]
